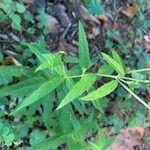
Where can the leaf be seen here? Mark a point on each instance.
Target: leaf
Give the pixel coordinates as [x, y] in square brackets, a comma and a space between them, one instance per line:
[81, 86]
[42, 91]
[20, 8]
[15, 71]
[105, 69]
[135, 96]
[84, 56]
[96, 9]
[54, 60]
[7, 136]
[52, 143]
[2, 16]
[101, 92]
[22, 88]
[118, 58]
[37, 136]
[113, 63]
[94, 146]
[72, 60]
[131, 11]
[5, 78]
[16, 21]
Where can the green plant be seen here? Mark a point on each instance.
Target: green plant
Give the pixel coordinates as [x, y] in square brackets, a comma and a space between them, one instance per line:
[61, 91]
[94, 7]
[12, 10]
[6, 133]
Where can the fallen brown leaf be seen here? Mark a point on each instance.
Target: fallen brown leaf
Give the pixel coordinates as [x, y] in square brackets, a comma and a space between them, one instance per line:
[131, 11]
[129, 138]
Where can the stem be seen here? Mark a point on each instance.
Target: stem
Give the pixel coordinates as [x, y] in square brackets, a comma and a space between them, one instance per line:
[75, 76]
[106, 75]
[134, 95]
[139, 70]
[137, 80]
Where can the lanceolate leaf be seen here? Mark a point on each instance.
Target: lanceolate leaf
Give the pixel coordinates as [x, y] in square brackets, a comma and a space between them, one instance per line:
[81, 86]
[118, 58]
[84, 57]
[13, 70]
[52, 143]
[42, 91]
[23, 88]
[113, 63]
[101, 92]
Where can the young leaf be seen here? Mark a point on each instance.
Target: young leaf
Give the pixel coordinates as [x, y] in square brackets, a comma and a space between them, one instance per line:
[81, 86]
[101, 92]
[135, 96]
[84, 57]
[54, 61]
[113, 63]
[42, 91]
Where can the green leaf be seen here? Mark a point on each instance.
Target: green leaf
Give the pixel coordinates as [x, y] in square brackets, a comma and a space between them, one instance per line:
[54, 60]
[84, 56]
[7, 136]
[20, 8]
[95, 9]
[13, 70]
[94, 146]
[52, 143]
[16, 21]
[23, 88]
[37, 136]
[7, 5]
[28, 17]
[2, 16]
[101, 92]
[113, 63]
[42, 91]
[5, 78]
[81, 86]
[135, 96]
[105, 69]
[71, 60]
[118, 58]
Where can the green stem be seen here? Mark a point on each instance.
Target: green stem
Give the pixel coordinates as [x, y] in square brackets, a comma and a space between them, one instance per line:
[139, 70]
[136, 80]
[106, 75]
[134, 95]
